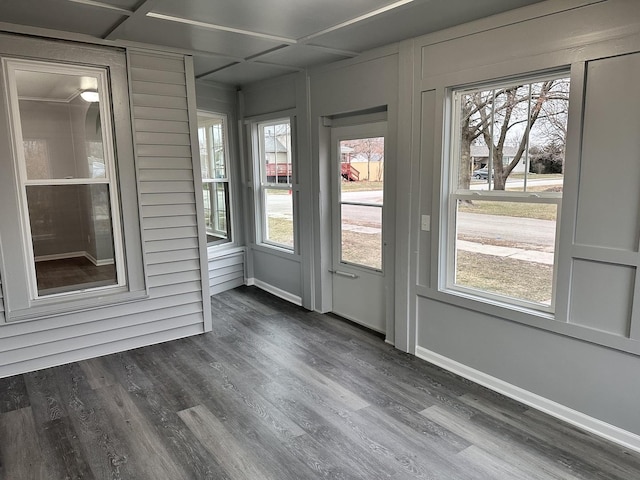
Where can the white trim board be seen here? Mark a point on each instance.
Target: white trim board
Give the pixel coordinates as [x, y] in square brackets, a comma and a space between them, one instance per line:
[278, 292]
[585, 422]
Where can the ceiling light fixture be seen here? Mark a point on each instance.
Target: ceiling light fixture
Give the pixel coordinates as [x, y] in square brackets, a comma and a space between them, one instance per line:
[366, 16]
[212, 26]
[90, 96]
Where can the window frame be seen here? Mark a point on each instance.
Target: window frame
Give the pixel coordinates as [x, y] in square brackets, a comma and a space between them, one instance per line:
[262, 185]
[17, 305]
[452, 194]
[10, 65]
[230, 239]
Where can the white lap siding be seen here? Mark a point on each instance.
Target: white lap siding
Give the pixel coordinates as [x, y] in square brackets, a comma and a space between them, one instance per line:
[226, 272]
[175, 306]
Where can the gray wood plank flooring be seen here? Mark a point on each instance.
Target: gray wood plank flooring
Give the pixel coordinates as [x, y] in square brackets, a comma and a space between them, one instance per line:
[279, 393]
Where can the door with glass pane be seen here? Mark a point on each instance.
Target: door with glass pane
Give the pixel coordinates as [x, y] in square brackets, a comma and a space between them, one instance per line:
[358, 162]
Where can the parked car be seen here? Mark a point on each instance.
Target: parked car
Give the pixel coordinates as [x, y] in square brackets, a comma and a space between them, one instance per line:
[482, 173]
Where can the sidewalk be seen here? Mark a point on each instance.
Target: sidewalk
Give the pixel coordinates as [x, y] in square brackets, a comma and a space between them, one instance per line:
[517, 253]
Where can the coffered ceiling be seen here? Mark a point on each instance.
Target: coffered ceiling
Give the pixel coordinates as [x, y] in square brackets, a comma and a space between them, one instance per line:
[241, 41]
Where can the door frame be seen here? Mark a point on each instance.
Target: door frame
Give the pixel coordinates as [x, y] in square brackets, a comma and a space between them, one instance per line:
[373, 128]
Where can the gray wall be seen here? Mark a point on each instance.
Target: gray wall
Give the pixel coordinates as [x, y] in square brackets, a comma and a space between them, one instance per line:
[157, 169]
[586, 357]
[284, 273]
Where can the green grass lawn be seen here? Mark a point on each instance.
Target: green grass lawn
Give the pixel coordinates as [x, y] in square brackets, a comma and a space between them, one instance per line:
[505, 276]
[541, 211]
[362, 248]
[281, 231]
[361, 186]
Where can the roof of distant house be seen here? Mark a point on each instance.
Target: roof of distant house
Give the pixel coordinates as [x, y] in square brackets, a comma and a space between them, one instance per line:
[273, 145]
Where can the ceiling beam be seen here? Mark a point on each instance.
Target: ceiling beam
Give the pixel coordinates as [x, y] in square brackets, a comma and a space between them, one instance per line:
[202, 75]
[355, 20]
[139, 11]
[336, 51]
[108, 6]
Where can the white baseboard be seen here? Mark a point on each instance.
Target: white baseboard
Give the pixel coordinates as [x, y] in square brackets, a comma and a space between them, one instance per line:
[60, 256]
[590, 424]
[96, 262]
[64, 256]
[278, 292]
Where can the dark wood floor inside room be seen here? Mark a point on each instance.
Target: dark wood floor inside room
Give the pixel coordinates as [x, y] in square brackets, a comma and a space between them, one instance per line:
[65, 274]
[276, 392]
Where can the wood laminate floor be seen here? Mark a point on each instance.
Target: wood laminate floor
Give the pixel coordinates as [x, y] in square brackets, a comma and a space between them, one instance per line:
[55, 276]
[276, 392]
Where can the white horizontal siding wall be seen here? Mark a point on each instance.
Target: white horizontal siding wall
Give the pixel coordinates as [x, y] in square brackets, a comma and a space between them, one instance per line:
[168, 194]
[226, 272]
[175, 306]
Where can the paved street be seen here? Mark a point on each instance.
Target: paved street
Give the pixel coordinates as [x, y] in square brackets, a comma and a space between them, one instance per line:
[540, 233]
[526, 231]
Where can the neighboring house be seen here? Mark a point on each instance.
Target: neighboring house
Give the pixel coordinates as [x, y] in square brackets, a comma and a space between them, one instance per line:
[276, 150]
[480, 157]
[278, 164]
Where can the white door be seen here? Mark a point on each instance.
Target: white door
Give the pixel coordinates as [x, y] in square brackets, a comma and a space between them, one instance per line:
[358, 212]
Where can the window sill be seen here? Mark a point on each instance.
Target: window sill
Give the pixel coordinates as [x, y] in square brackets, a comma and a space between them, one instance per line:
[275, 250]
[223, 250]
[67, 306]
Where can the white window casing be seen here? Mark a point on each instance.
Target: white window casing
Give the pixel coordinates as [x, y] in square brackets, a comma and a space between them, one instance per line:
[517, 193]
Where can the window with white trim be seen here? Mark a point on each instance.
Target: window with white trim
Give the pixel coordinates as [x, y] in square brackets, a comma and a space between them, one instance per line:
[275, 169]
[214, 163]
[505, 190]
[66, 177]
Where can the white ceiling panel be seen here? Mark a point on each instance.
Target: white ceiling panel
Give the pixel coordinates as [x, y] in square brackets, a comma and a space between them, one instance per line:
[203, 65]
[246, 72]
[162, 32]
[413, 20]
[302, 56]
[288, 18]
[60, 15]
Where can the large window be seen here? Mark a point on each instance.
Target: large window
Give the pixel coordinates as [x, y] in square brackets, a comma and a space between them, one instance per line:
[275, 167]
[505, 191]
[212, 138]
[66, 177]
